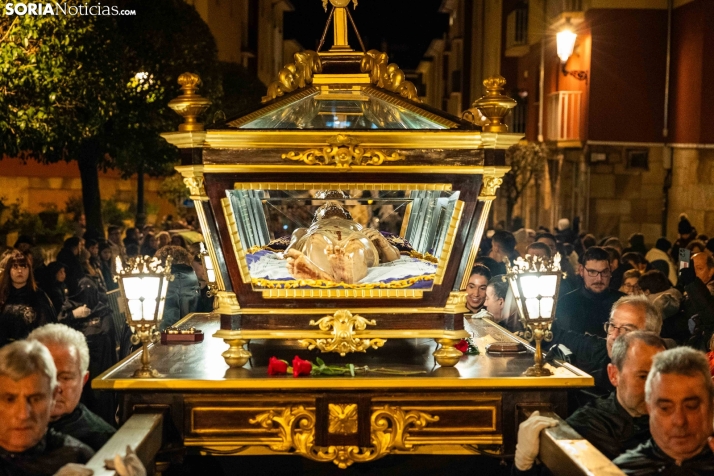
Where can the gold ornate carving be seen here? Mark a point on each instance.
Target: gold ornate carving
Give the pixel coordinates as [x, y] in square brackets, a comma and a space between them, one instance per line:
[389, 431]
[295, 75]
[344, 152]
[388, 76]
[456, 302]
[195, 186]
[490, 185]
[341, 186]
[189, 105]
[236, 356]
[447, 355]
[342, 418]
[494, 105]
[338, 3]
[341, 327]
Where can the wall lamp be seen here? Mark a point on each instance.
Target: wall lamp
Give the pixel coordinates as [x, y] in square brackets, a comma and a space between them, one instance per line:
[565, 42]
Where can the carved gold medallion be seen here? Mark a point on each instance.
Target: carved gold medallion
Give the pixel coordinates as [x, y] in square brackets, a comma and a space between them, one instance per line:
[342, 418]
[343, 328]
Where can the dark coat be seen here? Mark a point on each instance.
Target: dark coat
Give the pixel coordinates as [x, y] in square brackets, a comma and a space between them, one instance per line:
[181, 296]
[24, 311]
[46, 458]
[584, 311]
[609, 427]
[647, 459]
[84, 426]
[74, 269]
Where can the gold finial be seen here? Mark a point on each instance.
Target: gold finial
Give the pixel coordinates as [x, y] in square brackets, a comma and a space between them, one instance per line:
[190, 105]
[494, 105]
[339, 24]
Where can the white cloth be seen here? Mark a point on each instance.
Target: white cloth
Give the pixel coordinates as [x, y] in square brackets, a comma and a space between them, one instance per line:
[656, 254]
[528, 444]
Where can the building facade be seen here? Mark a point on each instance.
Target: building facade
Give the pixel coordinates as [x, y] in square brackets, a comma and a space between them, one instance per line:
[624, 115]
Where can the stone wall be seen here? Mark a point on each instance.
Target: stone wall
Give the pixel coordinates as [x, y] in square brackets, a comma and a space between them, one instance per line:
[692, 190]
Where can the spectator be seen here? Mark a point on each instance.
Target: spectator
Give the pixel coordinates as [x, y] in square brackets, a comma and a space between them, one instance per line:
[28, 387]
[149, 245]
[476, 288]
[696, 246]
[178, 240]
[696, 281]
[587, 309]
[23, 306]
[637, 244]
[493, 266]
[183, 292]
[501, 305]
[617, 267]
[53, 284]
[588, 241]
[679, 395]
[114, 239]
[658, 289]
[106, 265]
[659, 258]
[539, 249]
[549, 240]
[164, 239]
[615, 243]
[629, 282]
[686, 233]
[70, 354]
[565, 233]
[24, 243]
[69, 256]
[132, 250]
[704, 269]
[205, 302]
[132, 237]
[615, 423]
[710, 247]
[636, 260]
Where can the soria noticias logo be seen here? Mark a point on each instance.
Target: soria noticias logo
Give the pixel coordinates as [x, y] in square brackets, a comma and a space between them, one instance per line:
[56, 8]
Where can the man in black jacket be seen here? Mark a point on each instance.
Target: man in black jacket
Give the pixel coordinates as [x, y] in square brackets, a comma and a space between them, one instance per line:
[587, 309]
[70, 353]
[680, 400]
[615, 423]
[28, 387]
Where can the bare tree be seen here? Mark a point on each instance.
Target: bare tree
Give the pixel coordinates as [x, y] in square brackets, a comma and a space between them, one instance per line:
[527, 161]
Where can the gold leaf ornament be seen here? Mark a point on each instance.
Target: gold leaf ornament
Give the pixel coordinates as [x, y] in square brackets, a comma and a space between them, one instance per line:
[341, 329]
[343, 152]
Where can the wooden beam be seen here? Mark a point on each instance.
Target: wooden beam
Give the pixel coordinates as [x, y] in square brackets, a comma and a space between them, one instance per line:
[143, 432]
[564, 451]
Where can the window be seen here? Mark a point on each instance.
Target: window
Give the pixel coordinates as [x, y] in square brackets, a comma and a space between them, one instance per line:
[637, 159]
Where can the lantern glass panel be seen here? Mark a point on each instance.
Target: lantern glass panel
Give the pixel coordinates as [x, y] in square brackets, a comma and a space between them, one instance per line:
[565, 44]
[547, 284]
[533, 306]
[162, 299]
[211, 275]
[132, 286]
[546, 307]
[529, 285]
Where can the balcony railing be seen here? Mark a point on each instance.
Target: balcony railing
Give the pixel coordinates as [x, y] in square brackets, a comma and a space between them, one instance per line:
[517, 32]
[564, 123]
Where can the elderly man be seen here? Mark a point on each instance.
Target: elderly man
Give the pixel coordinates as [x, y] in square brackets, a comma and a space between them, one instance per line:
[586, 310]
[615, 423]
[28, 388]
[592, 354]
[70, 353]
[680, 401]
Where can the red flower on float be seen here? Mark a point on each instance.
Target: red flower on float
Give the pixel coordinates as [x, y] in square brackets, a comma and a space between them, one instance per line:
[301, 367]
[463, 346]
[277, 366]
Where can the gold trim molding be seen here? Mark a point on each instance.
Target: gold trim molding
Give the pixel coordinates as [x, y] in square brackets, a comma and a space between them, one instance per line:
[295, 75]
[388, 76]
[438, 187]
[490, 185]
[449, 241]
[235, 240]
[342, 418]
[193, 179]
[343, 151]
[341, 328]
[390, 429]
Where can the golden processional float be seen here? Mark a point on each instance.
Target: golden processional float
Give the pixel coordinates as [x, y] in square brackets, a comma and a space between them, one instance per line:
[341, 221]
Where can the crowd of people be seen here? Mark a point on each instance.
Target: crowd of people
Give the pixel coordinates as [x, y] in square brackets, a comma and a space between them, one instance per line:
[641, 322]
[58, 331]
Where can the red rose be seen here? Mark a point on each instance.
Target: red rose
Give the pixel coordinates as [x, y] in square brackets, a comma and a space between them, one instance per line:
[277, 366]
[463, 346]
[301, 367]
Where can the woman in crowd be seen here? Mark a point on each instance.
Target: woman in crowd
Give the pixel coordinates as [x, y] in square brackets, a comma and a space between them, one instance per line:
[164, 239]
[629, 282]
[106, 265]
[149, 245]
[476, 288]
[183, 292]
[23, 306]
[501, 304]
[53, 284]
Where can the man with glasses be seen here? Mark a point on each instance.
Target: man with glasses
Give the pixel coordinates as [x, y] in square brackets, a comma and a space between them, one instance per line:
[586, 310]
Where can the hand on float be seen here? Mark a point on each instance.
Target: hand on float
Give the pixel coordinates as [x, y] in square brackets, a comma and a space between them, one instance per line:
[74, 469]
[529, 439]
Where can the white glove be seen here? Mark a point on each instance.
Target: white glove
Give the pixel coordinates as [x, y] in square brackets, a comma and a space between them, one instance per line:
[81, 311]
[529, 439]
[73, 469]
[130, 465]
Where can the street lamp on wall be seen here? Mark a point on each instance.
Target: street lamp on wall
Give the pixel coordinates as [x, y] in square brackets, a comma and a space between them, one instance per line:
[565, 45]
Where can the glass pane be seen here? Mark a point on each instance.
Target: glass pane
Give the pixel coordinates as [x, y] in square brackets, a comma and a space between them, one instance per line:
[547, 284]
[529, 284]
[533, 307]
[546, 307]
[350, 111]
[367, 235]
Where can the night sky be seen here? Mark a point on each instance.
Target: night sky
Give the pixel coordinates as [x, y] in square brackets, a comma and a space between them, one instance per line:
[405, 26]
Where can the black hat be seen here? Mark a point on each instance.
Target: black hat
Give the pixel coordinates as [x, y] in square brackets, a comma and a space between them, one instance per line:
[663, 244]
[684, 227]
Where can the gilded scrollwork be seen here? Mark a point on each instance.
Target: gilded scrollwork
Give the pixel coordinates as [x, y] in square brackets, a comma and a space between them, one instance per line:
[490, 185]
[388, 76]
[195, 185]
[296, 429]
[343, 328]
[343, 152]
[295, 75]
[342, 418]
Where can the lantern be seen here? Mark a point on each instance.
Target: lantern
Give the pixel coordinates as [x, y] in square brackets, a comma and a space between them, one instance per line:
[210, 271]
[143, 283]
[535, 282]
